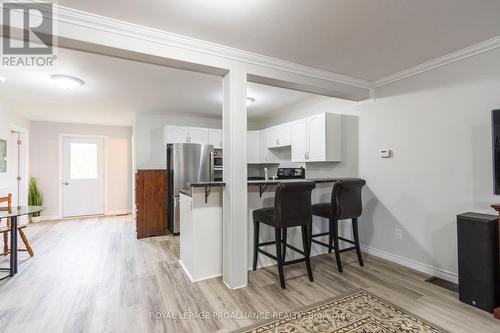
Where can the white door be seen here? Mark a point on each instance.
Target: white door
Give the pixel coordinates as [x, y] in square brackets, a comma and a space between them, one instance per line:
[317, 138]
[284, 134]
[82, 176]
[253, 147]
[198, 135]
[272, 134]
[215, 137]
[176, 134]
[299, 140]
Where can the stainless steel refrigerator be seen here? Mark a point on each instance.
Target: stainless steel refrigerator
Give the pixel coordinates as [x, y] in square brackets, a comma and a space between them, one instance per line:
[186, 163]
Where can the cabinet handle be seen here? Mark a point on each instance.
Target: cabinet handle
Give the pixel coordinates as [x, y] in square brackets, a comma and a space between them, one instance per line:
[305, 156]
[278, 141]
[220, 144]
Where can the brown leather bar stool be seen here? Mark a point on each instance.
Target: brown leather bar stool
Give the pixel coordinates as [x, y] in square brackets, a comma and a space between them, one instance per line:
[292, 208]
[345, 204]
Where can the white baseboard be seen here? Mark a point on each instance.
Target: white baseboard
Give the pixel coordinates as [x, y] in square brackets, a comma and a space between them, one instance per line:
[108, 213]
[50, 218]
[196, 280]
[117, 212]
[418, 266]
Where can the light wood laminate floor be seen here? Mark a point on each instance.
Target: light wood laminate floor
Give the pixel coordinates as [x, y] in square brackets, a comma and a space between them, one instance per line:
[93, 275]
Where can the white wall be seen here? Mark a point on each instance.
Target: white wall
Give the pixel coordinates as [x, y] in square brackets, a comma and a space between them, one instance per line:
[438, 125]
[44, 157]
[150, 152]
[7, 120]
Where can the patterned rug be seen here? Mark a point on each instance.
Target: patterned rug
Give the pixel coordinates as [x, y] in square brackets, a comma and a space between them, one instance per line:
[360, 312]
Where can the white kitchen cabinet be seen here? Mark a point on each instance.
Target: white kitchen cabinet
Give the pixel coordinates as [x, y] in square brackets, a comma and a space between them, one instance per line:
[317, 138]
[299, 140]
[253, 147]
[266, 155]
[279, 136]
[176, 134]
[215, 137]
[198, 135]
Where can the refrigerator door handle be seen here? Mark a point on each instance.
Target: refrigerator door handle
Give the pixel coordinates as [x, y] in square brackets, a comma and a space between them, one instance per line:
[212, 174]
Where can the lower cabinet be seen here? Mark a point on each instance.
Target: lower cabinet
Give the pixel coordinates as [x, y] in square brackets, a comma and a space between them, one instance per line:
[151, 201]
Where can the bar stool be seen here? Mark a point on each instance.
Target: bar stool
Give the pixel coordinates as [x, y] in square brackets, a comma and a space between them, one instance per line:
[345, 204]
[292, 208]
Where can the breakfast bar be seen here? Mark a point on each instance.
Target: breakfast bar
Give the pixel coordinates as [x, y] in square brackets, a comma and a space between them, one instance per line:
[201, 223]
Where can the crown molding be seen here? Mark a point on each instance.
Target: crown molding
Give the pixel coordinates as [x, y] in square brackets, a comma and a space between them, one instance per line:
[110, 25]
[465, 53]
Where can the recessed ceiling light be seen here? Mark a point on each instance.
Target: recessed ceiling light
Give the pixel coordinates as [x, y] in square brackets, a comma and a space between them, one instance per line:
[67, 81]
[2, 79]
[250, 100]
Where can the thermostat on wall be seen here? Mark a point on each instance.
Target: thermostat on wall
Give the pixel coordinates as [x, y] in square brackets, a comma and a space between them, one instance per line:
[385, 153]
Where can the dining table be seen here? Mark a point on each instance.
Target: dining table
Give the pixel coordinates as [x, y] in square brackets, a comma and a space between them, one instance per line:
[13, 214]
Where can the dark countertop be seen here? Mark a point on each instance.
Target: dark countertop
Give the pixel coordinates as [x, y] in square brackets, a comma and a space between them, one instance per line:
[314, 180]
[205, 184]
[272, 182]
[187, 192]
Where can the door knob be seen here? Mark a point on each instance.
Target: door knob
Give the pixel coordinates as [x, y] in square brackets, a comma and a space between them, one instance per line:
[66, 183]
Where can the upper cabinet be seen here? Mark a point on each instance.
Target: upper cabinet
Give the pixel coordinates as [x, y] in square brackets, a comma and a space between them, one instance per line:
[257, 151]
[215, 137]
[317, 138]
[183, 134]
[176, 134]
[198, 135]
[279, 136]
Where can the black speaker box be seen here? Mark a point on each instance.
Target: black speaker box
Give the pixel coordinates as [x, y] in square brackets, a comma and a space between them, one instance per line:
[478, 264]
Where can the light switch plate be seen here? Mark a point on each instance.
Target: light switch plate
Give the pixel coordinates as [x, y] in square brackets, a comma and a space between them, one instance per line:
[385, 153]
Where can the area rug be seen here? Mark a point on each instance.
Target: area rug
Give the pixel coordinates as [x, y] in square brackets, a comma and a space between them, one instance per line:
[359, 312]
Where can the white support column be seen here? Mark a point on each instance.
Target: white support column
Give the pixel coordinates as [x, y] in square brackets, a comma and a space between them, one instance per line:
[235, 236]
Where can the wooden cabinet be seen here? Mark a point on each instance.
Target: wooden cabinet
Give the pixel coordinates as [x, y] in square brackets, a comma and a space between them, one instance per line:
[317, 138]
[215, 137]
[151, 202]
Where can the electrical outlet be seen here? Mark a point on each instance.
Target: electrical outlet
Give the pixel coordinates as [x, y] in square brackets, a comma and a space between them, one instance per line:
[398, 234]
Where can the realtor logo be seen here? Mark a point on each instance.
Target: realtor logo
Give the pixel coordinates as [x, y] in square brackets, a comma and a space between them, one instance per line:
[28, 34]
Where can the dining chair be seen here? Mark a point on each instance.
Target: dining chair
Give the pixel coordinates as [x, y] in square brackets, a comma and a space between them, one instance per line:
[5, 230]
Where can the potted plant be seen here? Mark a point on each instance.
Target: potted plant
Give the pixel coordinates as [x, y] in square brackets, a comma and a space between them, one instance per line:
[35, 198]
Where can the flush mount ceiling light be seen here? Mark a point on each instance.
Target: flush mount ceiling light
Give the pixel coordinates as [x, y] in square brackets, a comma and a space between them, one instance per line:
[2, 79]
[66, 81]
[250, 100]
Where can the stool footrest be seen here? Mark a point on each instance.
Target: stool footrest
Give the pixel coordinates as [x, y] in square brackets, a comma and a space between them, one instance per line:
[320, 243]
[320, 234]
[347, 240]
[352, 248]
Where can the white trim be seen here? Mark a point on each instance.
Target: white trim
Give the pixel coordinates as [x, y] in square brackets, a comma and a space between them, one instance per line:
[26, 142]
[60, 171]
[89, 20]
[467, 52]
[118, 212]
[123, 28]
[50, 218]
[196, 280]
[413, 264]
[231, 288]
